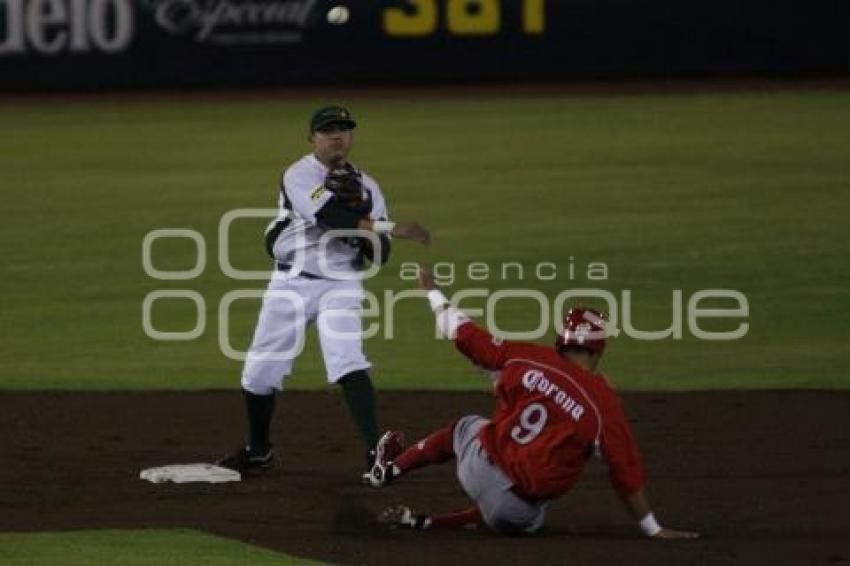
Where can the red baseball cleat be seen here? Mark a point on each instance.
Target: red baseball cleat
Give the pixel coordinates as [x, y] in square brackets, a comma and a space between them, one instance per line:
[388, 448]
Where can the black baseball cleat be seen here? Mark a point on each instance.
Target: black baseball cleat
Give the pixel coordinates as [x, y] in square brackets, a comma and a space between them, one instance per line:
[246, 460]
[388, 448]
[370, 461]
[404, 516]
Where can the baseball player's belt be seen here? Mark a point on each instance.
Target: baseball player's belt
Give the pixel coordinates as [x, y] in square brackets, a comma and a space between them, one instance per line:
[286, 268]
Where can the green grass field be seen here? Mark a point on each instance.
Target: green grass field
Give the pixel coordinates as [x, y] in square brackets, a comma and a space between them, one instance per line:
[690, 192]
[134, 548]
[733, 191]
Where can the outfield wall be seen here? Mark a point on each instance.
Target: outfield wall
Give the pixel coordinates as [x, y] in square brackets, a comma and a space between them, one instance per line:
[95, 44]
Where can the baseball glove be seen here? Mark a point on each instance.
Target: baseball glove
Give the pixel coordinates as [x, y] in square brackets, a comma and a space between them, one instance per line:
[346, 184]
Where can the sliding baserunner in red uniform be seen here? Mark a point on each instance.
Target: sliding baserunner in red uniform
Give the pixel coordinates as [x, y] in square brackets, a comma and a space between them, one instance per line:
[553, 412]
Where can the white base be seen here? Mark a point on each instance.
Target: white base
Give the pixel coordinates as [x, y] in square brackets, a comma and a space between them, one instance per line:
[189, 473]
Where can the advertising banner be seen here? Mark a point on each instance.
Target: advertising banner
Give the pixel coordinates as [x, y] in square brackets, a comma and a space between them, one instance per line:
[117, 44]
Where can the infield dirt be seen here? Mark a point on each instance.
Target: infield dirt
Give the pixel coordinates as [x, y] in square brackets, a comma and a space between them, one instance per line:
[765, 476]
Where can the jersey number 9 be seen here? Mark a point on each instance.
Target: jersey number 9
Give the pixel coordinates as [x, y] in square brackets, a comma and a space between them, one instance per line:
[531, 423]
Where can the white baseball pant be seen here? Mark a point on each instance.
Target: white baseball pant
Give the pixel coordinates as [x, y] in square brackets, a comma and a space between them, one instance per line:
[289, 305]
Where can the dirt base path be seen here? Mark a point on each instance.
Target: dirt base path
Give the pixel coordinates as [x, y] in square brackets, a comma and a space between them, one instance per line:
[765, 475]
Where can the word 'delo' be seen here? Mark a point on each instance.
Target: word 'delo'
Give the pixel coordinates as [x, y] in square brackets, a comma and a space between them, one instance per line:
[53, 27]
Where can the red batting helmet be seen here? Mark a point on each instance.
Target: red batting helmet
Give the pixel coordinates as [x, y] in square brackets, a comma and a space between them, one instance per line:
[583, 328]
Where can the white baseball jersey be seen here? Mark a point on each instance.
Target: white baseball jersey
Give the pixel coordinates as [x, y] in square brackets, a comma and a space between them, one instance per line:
[302, 195]
[295, 297]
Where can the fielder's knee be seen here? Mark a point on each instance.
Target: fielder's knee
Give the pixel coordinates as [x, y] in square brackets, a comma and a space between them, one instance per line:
[258, 385]
[353, 376]
[258, 390]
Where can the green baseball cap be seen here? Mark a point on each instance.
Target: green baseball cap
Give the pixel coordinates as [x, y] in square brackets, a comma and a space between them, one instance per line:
[331, 115]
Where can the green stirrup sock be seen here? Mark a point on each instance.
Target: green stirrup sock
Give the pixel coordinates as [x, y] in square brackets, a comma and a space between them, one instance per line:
[360, 397]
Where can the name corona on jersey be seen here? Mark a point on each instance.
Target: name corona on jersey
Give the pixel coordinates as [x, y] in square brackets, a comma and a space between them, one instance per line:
[534, 380]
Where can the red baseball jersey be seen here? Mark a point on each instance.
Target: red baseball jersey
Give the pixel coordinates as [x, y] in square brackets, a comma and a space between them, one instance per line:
[550, 417]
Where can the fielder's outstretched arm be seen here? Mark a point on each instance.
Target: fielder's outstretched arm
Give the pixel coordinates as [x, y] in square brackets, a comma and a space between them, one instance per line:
[336, 215]
[403, 230]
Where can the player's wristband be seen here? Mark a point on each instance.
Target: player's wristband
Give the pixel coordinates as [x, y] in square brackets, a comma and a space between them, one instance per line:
[437, 299]
[382, 226]
[449, 319]
[649, 525]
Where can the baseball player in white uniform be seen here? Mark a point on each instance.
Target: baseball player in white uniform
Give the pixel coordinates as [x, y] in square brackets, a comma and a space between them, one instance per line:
[333, 221]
